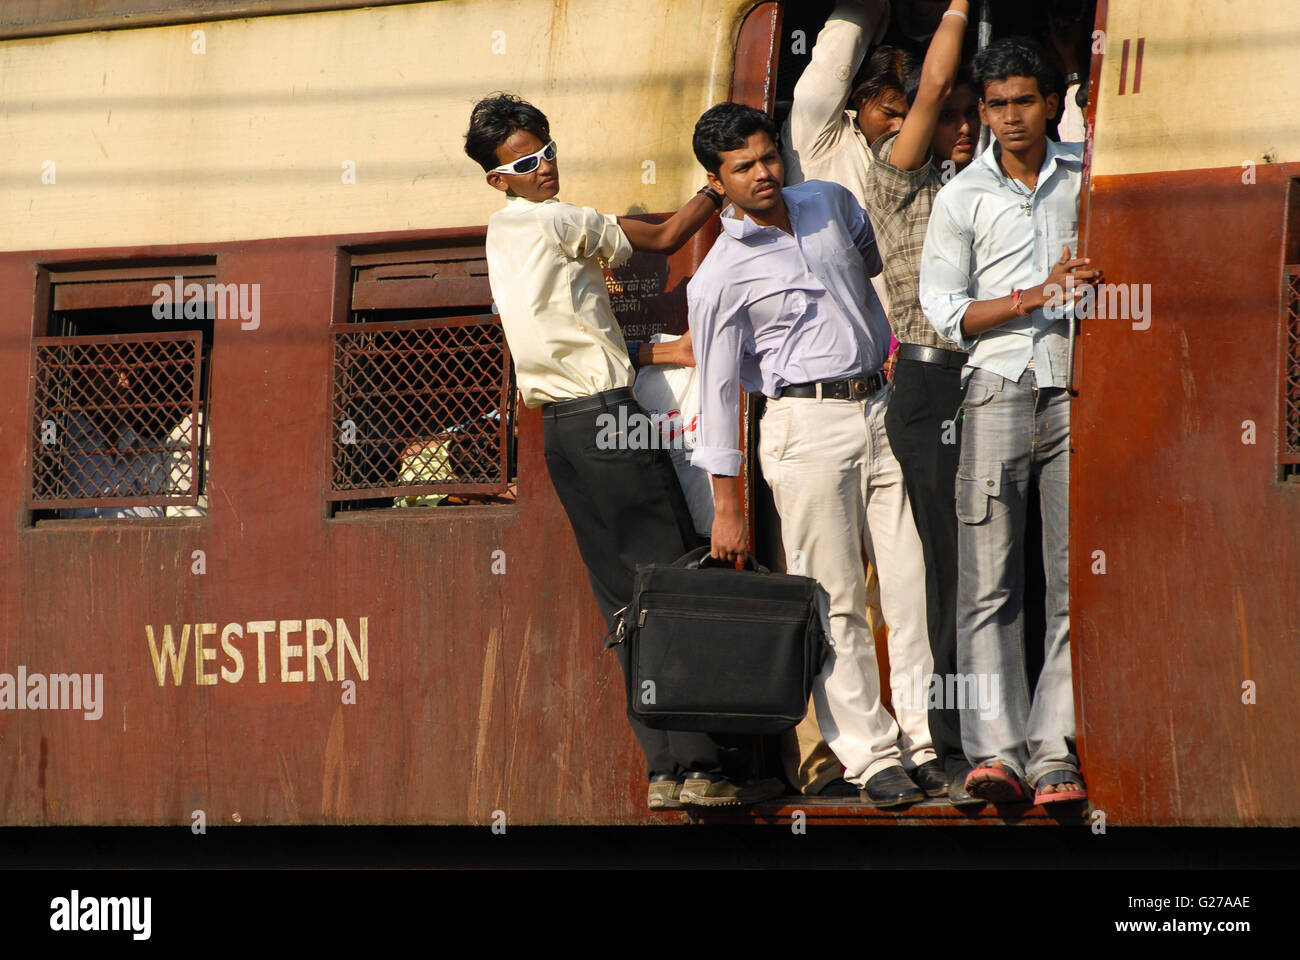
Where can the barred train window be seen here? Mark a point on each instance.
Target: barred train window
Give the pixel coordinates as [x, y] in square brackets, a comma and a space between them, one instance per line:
[423, 396]
[1288, 374]
[1289, 434]
[119, 393]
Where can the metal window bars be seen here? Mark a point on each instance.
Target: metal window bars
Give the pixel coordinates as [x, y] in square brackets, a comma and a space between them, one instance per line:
[420, 408]
[1289, 375]
[116, 422]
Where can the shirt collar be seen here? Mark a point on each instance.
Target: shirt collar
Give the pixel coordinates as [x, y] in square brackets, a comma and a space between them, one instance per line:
[518, 200]
[857, 130]
[743, 228]
[1054, 156]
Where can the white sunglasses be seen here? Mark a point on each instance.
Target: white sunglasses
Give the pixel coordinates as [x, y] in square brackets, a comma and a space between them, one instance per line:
[529, 163]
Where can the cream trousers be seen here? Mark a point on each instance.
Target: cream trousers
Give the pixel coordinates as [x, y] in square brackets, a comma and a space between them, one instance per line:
[839, 492]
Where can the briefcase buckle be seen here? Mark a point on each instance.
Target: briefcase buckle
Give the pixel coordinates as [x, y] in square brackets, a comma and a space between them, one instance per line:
[615, 635]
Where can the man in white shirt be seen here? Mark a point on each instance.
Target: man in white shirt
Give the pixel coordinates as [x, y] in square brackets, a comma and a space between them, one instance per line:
[828, 133]
[782, 305]
[832, 121]
[994, 274]
[625, 504]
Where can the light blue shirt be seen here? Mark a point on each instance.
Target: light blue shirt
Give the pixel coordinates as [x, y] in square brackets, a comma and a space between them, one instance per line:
[983, 242]
[768, 309]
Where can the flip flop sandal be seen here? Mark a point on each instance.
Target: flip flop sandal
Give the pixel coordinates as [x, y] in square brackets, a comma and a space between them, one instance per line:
[1055, 778]
[996, 784]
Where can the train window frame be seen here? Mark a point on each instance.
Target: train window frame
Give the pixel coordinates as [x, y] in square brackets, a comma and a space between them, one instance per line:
[433, 294]
[88, 318]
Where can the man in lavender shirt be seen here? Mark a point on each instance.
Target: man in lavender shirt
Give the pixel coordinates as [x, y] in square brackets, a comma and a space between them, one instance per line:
[782, 305]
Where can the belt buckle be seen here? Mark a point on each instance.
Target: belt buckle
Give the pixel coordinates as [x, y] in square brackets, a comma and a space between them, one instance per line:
[858, 388]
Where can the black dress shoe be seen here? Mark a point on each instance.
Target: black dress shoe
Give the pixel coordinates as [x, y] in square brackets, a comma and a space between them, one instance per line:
[839, 787]
[931, 778]
[891, 788]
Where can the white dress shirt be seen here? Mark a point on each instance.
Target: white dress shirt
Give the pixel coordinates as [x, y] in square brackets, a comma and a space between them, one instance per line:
[982, 243]
[544, 267]
[768, 309]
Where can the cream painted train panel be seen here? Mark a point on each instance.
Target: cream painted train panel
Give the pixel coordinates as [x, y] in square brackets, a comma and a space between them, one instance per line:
[248, 129]
[1218, 85]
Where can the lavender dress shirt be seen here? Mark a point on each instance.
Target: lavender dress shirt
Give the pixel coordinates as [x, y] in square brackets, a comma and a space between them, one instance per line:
[768, 309]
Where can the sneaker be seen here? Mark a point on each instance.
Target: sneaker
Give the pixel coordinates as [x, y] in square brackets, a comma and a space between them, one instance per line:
[664, 795]
[701, 792]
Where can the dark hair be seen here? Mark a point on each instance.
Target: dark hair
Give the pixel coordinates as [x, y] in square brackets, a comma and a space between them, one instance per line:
[726, 126]
[962, 79]
[1015, 57]
[886, 69]
[494, 119]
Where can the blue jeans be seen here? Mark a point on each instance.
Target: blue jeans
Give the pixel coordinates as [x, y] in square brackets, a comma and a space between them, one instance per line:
[1013, 434]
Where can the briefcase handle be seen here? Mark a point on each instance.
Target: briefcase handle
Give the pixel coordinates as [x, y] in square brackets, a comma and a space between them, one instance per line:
[699, 558]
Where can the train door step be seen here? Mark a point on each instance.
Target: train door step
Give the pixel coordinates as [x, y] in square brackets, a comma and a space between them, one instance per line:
[793, 810]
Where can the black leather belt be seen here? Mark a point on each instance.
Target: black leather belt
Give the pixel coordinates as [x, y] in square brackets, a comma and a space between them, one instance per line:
[597, 401]
[953, 359]
[852, 388]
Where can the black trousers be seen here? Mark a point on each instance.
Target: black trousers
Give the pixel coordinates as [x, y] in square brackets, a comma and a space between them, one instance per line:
[922, 425]
[626, 507]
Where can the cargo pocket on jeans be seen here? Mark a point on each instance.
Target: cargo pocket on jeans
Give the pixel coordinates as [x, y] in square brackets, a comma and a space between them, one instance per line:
[976, 394]
[977, 484]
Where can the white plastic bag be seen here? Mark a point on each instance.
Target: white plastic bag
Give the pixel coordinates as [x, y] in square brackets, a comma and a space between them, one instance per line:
[670, 394]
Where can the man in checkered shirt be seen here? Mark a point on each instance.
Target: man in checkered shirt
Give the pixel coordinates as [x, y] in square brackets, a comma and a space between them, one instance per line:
[937, 139]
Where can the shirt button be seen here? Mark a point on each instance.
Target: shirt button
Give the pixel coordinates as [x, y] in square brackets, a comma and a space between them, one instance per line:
[988, 483]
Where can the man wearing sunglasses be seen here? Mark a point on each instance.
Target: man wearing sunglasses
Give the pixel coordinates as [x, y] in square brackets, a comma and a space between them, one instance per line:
[625, 505]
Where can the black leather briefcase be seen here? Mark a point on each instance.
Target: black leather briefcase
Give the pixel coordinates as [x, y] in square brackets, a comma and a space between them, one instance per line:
[720, 650]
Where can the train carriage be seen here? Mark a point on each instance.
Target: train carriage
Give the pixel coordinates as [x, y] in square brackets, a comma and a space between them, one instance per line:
[273, 504]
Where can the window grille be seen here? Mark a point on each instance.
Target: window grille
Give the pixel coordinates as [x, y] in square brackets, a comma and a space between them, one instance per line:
[422, 388]
[1289, 434]
[421, 408]
[116, 422]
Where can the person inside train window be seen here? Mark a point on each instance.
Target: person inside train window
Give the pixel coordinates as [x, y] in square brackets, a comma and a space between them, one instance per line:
[183, 475]
[426, 462]
[937, 139]
[782, 305]
[994, 270]
[105, 454]
[108, 455]
[625, 505]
